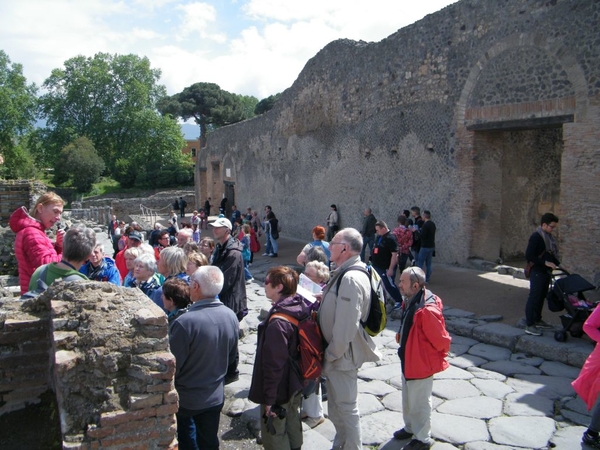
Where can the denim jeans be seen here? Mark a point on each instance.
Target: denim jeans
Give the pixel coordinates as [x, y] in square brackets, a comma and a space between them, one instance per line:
[198, 429]
[370, 241]
[268, 246]
[247, 274]
[273, 242]
[389, 284]
[424, 261]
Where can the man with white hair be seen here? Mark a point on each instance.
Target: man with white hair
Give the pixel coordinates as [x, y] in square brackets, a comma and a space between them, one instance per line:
[424, 345]
[184, 236]
[345, 303]
[204, 341]
[228, 257]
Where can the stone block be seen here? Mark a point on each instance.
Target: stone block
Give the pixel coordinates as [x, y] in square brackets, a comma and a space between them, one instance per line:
[498, 334]
[145, 401]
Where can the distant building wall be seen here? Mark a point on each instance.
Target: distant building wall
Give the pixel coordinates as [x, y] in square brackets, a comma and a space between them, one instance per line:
[485, 113]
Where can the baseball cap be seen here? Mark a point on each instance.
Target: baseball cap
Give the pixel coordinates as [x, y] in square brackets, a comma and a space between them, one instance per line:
[135, 235]
[221, 222]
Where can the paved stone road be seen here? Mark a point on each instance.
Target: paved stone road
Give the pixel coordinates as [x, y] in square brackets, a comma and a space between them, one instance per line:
[489, 398]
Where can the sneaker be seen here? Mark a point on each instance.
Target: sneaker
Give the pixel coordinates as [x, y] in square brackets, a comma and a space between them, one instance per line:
[402, 434]
[313, 422]
[416, 445]
[249, 280]
[543, 325]
[273, 255]
[591, 441]
[533, 330]
[265, 254]
[396, 307]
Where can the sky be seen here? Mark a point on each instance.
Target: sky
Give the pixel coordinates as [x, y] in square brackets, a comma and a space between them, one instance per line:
[248, 47]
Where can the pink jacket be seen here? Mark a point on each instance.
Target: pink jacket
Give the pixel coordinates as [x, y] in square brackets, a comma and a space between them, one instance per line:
[32, 246]
[587, 384]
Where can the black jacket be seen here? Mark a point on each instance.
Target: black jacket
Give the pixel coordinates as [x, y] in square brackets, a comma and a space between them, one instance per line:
[229, 259]
[368, 226]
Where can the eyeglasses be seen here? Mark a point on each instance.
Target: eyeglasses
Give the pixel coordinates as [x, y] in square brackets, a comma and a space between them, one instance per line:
[267, 281]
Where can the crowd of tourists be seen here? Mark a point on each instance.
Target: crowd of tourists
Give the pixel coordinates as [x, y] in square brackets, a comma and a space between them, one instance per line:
[200, 284]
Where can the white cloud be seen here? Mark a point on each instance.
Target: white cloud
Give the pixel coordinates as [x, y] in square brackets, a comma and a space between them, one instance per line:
[254, 48]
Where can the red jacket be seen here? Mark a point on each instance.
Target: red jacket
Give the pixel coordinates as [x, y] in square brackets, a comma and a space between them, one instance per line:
[428, 341]
[32, 247]
[587, 384]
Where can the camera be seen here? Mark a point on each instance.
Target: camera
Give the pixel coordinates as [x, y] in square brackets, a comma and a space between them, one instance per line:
[280, 412]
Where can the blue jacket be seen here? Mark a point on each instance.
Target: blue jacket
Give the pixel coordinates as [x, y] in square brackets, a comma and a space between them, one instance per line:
[108, 272]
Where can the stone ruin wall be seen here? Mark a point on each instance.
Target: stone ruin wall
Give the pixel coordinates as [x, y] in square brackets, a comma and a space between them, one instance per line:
[103, 353]
[394, 124]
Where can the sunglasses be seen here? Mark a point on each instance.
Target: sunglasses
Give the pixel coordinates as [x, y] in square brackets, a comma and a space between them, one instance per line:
[267, 281]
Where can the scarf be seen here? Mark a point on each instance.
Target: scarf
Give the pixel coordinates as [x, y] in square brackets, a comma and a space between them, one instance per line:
[549, 242]
[95, 271]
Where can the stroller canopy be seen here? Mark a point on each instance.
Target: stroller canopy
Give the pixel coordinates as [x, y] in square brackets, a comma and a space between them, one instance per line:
[574, 283]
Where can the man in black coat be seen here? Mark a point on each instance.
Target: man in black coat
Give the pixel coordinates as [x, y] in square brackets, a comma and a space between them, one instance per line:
[542, 252]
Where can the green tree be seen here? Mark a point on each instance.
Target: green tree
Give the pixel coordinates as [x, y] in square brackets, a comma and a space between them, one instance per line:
[266, 104]
[206, 103]
[103, 98]
[80, 163]
[249, 103]
[18, 104]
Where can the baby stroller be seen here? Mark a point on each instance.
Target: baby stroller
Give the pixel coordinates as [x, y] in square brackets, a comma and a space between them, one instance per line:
[566, 294]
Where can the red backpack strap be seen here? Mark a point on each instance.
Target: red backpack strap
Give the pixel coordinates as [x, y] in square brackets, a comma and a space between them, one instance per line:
[285, 317]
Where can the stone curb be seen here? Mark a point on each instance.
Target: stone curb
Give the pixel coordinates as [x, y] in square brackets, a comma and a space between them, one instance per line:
[573, 352]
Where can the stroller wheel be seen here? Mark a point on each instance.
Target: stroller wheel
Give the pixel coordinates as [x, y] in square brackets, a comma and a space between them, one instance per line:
[560, 336]
[577, 333]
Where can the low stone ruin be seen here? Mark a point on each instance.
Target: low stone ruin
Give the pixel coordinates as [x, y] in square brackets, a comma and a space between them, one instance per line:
[102, 351]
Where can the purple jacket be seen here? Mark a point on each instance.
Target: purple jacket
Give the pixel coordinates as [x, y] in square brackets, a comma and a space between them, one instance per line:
[274, 381]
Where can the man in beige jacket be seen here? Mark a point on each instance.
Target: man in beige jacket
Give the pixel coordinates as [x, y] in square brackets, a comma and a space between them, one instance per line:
[349, 346]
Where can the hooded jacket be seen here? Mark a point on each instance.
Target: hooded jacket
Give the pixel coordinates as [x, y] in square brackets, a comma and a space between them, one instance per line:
[32, 247]
[108, 272]
[424, 341]
[229, 259]
[274, 381]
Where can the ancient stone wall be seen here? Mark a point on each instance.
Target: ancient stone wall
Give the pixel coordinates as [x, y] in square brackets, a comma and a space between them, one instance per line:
[399, 123]
[103, 351]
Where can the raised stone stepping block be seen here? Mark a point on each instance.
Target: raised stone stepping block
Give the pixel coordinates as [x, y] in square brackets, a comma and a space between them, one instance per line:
[498, 334]
[492, 388]
[528, 432]
[511, 368]
[453, 389]
[456, 429]
[379, 427]
[475, 407]
[519, 404]
[490, 352]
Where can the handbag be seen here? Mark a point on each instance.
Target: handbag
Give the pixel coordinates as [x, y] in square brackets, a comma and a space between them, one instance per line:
[528, 269]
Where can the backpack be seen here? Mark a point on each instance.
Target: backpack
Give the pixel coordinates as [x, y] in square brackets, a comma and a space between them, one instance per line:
[377, 318]
[42, 286]
[310, 346]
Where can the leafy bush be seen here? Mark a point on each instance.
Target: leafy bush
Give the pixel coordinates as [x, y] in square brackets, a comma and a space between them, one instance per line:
[80, 164]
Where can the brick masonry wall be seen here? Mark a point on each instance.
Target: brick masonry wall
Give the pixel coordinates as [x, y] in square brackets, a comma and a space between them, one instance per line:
[385, 125]
[104, 351]
[24, 354]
